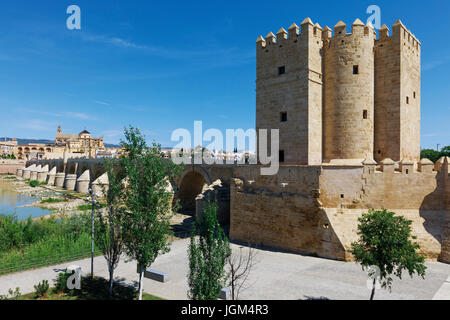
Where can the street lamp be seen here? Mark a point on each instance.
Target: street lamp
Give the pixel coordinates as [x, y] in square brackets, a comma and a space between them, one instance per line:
[94, 202]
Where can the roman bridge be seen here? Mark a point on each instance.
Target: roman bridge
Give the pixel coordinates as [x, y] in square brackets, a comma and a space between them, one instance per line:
[195, 184]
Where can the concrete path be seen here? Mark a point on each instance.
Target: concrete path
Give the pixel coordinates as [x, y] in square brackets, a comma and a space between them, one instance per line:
[443, 292]
[277, 275]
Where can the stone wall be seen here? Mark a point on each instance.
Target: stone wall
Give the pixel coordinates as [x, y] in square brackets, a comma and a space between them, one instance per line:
[8, 166]
[282, 211]
[315, 210]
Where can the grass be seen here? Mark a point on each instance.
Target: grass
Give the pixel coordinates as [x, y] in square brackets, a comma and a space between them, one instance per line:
[87, 207]
[36, 243]
[53, 200]
[96, 289]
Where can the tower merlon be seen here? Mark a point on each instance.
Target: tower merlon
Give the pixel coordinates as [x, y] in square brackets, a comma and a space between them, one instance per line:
[384, 32]
[281, 35]
[270, 38]
[358, 27]
[340, 29]
[307, 27]
[293, 31]
[327, 33]
[260, 42]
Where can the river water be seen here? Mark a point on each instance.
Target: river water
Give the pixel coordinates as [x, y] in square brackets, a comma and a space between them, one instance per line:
[12, 202]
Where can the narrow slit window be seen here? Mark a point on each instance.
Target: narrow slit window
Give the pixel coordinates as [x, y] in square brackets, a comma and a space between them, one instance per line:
[364, 114]
[283, 116]
[414, 94]
[355, 69]
[281, 70]
[281, 155]
[407, 100]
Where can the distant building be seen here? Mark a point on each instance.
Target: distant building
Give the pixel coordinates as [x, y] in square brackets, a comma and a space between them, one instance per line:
[81, 145]
[7, 147]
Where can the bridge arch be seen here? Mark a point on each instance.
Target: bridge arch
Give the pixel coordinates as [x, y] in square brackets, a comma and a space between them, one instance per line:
[191, 183]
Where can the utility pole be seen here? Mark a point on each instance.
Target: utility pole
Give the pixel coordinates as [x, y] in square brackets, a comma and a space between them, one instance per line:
[94, 202]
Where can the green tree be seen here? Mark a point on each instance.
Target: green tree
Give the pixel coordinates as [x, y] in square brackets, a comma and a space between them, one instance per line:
[208, 253]
[385, 242]
[445, 152]
[109, 238]
[431, 154]
[146, 225]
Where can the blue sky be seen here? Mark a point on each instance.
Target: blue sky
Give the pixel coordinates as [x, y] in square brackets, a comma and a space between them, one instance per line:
[161, 65]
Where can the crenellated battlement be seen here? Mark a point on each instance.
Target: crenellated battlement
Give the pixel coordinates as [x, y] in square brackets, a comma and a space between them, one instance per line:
[306, 30]
[340, 91]
[408, 167]
[358, 29]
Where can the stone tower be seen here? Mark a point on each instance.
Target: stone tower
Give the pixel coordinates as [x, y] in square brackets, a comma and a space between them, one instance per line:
[397, 94]
[289, 90]
[349, 92]
[340, 97]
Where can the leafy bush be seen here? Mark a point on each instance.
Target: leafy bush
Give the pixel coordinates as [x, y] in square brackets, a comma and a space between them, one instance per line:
[61, 282]
[34, 183]
[14, 295]
[41, 288]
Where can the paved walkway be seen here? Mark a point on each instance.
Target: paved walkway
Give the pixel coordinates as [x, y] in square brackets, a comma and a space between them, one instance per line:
[277, 275]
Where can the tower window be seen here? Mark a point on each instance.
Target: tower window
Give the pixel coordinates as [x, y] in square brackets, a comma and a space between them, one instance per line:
[364, 114]
[407, 100]
[414, 94]
[281, 70]
[355, 69]
[283, 116]
[281, 155]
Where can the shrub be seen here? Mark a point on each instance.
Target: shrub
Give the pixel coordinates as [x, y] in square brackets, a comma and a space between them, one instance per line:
[34, 183]
[61, 282]
[14, 295]
[41, 288]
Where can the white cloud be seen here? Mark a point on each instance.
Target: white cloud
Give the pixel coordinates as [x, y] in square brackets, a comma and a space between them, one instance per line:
[219, 56]
[434, 64]
[71, 115]
[101, 102]
[37, 125]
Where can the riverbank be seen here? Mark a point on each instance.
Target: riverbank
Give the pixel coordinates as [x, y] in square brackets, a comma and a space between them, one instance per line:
[52, 200]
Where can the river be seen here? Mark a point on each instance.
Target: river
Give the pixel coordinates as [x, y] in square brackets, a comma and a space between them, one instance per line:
[13, 202]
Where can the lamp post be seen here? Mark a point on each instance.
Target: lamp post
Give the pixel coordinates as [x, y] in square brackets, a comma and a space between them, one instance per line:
[94, 202]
